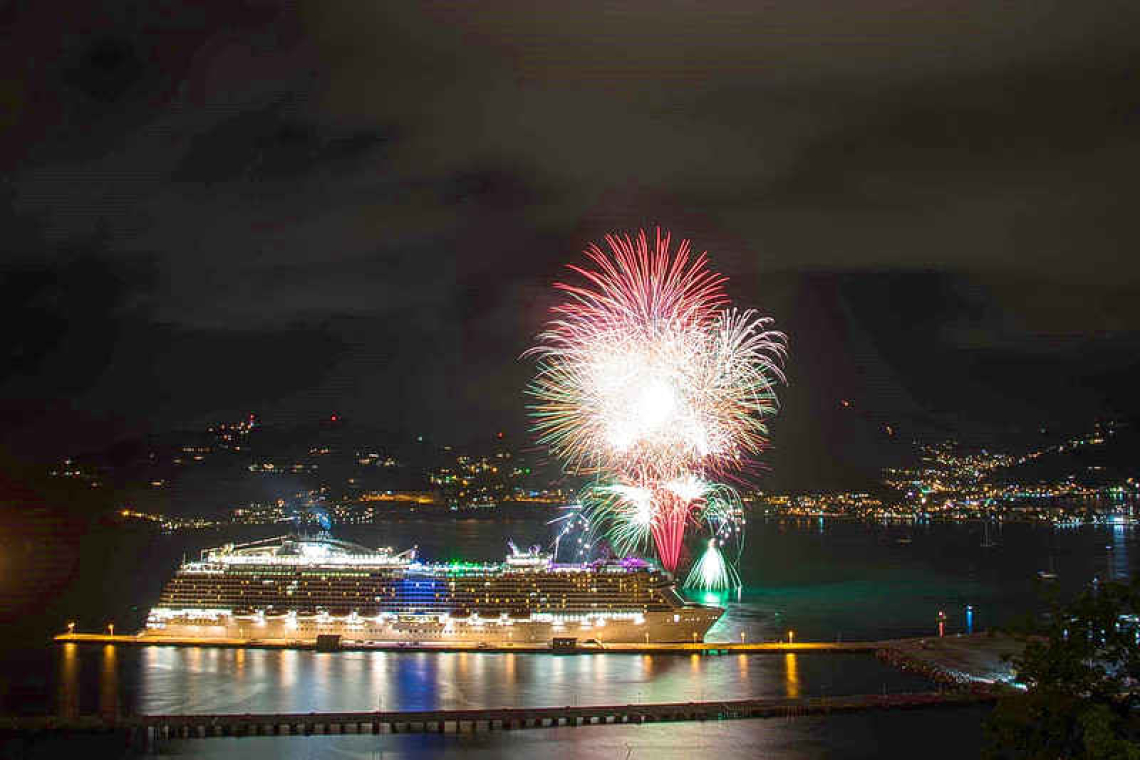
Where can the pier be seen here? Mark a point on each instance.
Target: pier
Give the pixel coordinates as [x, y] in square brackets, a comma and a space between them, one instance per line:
[149, 728]
[707, 647]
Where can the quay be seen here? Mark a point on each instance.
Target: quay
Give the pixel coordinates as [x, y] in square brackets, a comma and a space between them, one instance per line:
[707, 647]
[149, 728]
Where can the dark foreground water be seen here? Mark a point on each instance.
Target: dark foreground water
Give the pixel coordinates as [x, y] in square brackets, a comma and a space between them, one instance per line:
[931, 734]
[823, 580]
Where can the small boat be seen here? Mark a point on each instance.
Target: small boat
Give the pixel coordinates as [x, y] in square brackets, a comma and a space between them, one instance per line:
[1048, 575]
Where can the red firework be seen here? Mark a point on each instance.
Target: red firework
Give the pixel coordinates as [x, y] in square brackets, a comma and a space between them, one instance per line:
[648, 377]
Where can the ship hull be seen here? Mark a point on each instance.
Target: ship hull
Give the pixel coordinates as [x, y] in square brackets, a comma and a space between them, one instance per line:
[686, 624]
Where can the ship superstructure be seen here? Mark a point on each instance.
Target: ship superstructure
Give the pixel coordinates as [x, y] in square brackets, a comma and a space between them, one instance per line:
[294, 588]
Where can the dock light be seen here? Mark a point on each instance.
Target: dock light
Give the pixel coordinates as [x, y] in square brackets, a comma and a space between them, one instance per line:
[791, 637]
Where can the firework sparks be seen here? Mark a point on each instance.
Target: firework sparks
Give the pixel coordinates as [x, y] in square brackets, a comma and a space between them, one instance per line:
[646, 376]
[711, 572]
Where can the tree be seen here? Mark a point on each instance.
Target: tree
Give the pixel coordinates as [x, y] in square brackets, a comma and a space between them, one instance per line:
[1081, 670]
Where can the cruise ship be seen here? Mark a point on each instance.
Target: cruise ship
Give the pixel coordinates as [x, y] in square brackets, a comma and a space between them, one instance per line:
[294, 589]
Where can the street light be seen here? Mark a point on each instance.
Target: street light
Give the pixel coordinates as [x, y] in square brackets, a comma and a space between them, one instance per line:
[71, 627]
[111, 628]
[742, 637]
[791, 637]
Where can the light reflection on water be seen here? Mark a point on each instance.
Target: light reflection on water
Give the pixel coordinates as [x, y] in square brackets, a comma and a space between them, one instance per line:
[69, 680]
[791, 674]
[109, 682]
[163, 680]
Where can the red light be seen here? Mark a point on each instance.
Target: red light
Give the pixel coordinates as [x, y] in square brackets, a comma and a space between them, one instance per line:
[500, 434]
[333, 418]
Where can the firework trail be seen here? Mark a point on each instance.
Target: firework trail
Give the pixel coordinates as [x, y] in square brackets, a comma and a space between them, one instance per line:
[712, 572]
[647, 377]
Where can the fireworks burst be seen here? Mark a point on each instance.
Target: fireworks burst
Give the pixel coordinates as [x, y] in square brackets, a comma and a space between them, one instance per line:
[646, 376]
[711, 572]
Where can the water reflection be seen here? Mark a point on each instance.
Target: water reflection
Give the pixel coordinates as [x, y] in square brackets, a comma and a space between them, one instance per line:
[69, 681]
[164, 680]
[109, 683]
[511, 675]
[791, 675]
[1118, 554]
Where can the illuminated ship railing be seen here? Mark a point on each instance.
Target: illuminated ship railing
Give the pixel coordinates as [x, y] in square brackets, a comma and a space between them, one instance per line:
[292, 551]
[160, 615]
[333, 560]
[532, 558]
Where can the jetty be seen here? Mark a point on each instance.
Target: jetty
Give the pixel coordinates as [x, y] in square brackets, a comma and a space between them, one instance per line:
[704, 647]
[147, 729]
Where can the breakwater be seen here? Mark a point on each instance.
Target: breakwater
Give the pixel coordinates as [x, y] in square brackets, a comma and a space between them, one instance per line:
[149, 728]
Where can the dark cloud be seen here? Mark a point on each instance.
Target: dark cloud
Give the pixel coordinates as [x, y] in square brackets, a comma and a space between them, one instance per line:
[267, 145]
[363, 205]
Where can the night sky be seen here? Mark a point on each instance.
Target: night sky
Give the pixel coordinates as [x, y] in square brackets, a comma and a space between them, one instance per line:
[358, 207]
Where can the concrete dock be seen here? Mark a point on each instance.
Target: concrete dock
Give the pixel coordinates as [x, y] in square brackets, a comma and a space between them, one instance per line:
[707, 647]
[148, 728]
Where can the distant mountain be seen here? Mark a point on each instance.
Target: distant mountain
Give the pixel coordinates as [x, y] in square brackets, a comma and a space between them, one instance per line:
[1100, 457]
